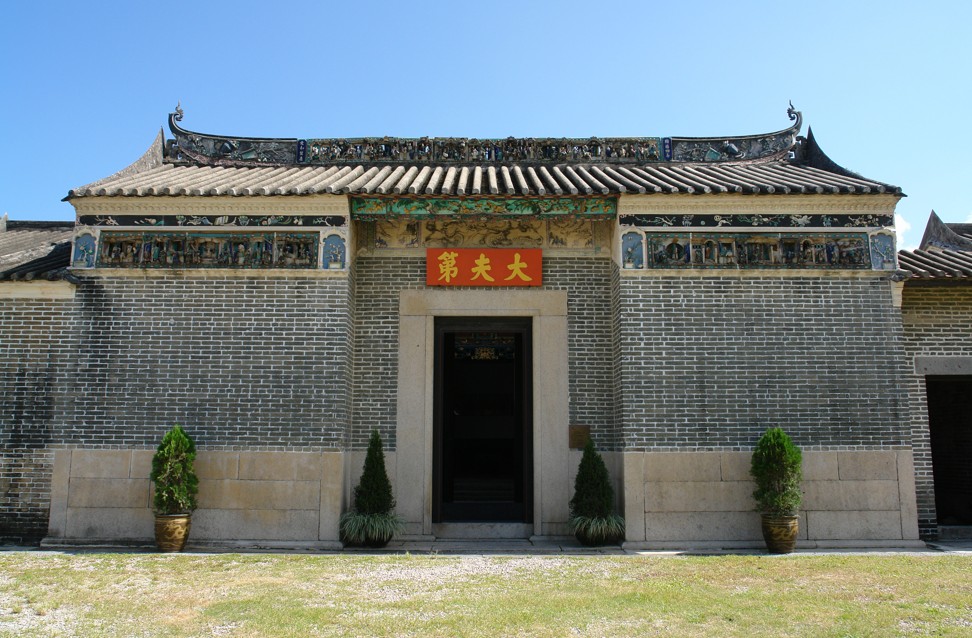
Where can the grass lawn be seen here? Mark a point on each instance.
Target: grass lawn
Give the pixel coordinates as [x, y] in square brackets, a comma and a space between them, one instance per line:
[122, 594]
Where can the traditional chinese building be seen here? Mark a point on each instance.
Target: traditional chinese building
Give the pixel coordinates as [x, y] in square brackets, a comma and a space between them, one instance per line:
[486, 305]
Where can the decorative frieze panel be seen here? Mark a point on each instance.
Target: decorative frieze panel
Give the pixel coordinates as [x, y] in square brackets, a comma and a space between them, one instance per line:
[247, 221]
[213, 250]
[757, 220]
[494, 233]
[848, 251]
[471, 150]
[371, 209]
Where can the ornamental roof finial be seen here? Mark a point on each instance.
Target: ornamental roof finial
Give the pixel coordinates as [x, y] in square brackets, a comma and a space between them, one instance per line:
[791, 112]
[178, 111]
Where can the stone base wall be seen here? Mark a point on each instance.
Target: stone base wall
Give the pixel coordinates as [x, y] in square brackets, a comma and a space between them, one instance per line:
[698, 499]
[244, 497]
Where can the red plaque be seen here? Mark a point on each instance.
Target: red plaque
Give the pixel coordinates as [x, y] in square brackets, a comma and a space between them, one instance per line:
[483, 266]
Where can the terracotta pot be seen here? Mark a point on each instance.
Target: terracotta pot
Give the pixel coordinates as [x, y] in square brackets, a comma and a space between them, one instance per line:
[172, 531]
[780, 533]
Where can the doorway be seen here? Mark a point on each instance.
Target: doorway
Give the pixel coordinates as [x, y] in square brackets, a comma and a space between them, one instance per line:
[483, 430]
[950, 427]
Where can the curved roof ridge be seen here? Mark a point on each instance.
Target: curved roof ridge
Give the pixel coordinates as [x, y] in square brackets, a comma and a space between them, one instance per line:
[810, 154]
[150, 159]
[226, 150]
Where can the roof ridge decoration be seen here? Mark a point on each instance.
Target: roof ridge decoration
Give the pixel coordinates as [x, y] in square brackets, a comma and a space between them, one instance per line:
[938, 234]
[217, 150]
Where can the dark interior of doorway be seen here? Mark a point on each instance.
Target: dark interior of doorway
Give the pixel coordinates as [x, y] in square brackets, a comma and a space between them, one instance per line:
[950, 425]
[483, 420]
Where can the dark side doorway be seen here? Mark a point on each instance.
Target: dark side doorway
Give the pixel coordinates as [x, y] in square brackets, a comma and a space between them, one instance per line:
[483, 457]
[950, 425]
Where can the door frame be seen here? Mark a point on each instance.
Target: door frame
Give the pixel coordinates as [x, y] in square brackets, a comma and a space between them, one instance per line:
[415, 401]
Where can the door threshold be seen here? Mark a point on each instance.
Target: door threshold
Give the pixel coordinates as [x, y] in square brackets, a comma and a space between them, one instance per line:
[954, 532]
[485, 531]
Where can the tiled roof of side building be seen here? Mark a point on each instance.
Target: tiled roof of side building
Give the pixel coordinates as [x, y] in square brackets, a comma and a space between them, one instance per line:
[945, 253]
[22, 242]
[197, 164]
[52, 266]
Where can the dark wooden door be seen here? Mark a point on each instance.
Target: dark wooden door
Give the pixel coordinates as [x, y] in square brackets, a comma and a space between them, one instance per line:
[483, 431]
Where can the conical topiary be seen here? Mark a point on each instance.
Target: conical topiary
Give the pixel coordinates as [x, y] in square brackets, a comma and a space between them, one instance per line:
[777, 469]
[176, 484]
[592, 517]
[371, 521]
[373, 494]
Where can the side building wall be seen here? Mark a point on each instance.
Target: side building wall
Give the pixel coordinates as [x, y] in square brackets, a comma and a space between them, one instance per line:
[708, 363]
[937, 340]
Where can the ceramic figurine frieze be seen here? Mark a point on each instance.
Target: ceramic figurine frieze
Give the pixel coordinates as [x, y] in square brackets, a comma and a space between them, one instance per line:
[713, 250]
[208, 250]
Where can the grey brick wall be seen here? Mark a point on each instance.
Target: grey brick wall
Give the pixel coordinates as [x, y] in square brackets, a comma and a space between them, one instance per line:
[259, 363]
[936, 321]
[379, 281]
[35, 344]
[709, 363]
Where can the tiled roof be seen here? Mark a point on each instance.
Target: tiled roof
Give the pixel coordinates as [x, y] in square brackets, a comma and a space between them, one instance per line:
[201, 165]
[945, 252]
[936, 263]
[779, 177]
[23, 241]
[52, 266]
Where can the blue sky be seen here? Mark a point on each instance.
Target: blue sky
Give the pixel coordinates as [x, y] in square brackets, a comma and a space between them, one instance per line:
[887, 87]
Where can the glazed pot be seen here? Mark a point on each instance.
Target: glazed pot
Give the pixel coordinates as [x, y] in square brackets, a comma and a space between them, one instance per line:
[172, 531]
[780, 533]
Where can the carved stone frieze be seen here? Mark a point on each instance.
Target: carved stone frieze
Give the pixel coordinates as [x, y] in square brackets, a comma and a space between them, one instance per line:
[493, 233]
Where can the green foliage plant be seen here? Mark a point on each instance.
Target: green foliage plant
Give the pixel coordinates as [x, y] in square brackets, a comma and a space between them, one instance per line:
[592, 517]
[371, 521]
[176, 484]
[777, 469]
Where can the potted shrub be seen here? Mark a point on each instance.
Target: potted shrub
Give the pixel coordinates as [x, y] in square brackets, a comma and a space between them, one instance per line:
[371, 521]
[176, 486]
[776, 468]
[592, 517]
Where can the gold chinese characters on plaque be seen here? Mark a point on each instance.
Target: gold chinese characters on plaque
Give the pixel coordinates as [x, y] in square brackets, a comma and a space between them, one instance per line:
[483, 267]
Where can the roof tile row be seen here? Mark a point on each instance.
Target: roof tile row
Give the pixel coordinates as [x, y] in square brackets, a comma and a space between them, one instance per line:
[511, 180]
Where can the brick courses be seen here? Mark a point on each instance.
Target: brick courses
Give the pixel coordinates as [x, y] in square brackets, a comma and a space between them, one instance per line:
[254, 363]
[35, 343]
[709, 363]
